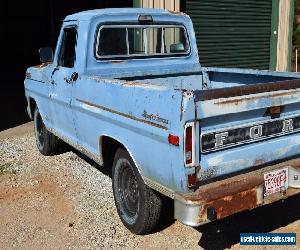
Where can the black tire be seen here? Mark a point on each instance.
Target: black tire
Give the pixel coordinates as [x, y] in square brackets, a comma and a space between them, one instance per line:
[138, 206]
[47, 143]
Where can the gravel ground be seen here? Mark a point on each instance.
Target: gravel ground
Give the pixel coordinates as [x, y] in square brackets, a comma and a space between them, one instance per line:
[66, 202]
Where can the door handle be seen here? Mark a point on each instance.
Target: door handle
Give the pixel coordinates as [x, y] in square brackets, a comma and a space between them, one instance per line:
[73, 78]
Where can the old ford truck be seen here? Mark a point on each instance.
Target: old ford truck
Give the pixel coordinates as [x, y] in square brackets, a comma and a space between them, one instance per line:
[125, 88]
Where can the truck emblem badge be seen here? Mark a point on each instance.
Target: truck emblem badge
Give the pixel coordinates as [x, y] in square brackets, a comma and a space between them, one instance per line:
[248, 134]
[156, 118]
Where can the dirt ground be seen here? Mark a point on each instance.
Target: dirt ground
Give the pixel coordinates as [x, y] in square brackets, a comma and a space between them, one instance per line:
[66, 202]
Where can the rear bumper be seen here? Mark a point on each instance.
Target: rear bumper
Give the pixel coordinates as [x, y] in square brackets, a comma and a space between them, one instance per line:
[220, 199]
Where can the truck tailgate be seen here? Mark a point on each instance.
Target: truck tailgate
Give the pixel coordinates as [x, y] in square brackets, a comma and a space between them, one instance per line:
[247, 126]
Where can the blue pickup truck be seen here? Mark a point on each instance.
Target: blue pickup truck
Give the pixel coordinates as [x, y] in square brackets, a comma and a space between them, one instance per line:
[125, 88]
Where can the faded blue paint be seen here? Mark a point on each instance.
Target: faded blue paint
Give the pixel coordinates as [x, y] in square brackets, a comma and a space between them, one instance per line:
[100, 104]
[246, 156]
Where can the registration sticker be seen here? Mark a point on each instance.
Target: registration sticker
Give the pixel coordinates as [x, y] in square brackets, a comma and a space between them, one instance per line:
[276, 181]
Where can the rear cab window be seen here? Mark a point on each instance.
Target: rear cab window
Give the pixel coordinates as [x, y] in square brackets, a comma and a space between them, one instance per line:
[141, 41]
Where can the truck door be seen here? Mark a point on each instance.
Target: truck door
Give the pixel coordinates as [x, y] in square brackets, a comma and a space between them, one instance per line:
[63, 77]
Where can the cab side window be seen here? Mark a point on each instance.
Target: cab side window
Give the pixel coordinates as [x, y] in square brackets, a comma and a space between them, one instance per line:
[67, 55]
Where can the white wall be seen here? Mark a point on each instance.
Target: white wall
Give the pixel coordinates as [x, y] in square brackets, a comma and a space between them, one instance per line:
[283, 45]
[173, 5]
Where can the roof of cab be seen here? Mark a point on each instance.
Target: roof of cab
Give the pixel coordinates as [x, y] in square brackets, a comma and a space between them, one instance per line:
[90, 14]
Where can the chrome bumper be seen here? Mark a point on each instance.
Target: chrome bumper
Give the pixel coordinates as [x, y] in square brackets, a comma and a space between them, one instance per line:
[226, 197]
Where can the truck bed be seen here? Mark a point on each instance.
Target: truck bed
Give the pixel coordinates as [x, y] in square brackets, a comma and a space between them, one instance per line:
[233, 100]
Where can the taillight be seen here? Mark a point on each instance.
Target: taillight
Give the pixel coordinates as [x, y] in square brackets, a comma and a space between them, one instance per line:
[173, 139]
[188, 145]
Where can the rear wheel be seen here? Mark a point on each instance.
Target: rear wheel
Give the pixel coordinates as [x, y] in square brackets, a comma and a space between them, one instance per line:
[47, 143]
[138, 206]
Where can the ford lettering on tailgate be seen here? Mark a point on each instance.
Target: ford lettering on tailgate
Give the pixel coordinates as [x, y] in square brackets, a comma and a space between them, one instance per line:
[232, 137]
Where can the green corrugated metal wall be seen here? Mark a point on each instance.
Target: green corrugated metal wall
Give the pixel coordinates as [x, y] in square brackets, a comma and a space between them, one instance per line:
[232, 33]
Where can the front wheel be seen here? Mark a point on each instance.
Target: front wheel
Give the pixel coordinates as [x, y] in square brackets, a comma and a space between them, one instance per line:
[47, 143]
[138, 206]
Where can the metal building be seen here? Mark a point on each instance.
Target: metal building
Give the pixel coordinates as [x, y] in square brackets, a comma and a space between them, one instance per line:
[233, 33]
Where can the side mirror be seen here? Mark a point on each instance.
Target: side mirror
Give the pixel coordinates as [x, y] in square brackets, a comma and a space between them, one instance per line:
[46, 54]
[177, 48]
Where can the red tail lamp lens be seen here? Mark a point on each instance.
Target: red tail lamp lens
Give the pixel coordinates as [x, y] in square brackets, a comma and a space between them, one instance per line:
[189, 145]
[174, 140]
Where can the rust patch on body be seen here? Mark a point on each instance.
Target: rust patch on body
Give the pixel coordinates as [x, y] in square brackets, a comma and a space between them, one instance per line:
[275, 110]
[258, 162]
[231, 204]
[224, 189]
[296, 166]
[227, 197]
[205, 95]
[252, 98]
[219, 199]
